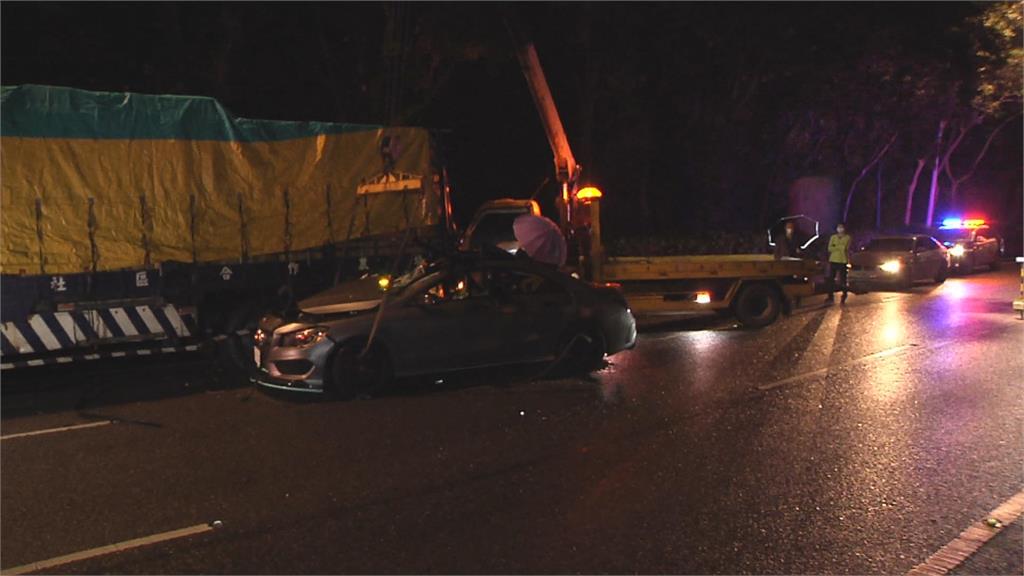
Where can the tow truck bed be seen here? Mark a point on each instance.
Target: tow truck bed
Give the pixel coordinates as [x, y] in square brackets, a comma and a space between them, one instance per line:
[755, 287]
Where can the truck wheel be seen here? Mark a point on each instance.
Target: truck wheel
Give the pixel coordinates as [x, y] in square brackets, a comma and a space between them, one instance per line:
[353, 374]
[757, 305]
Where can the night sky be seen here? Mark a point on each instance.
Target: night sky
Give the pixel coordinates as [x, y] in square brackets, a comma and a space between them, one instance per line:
[691, 117]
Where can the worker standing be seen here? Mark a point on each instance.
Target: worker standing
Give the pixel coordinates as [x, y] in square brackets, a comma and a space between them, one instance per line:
[838, 260]
[786, 245]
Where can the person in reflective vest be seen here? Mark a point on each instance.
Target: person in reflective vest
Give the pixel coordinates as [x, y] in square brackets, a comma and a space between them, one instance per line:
[838, 261]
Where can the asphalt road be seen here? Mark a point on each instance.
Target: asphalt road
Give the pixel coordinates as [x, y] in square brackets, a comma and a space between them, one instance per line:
[843, 439]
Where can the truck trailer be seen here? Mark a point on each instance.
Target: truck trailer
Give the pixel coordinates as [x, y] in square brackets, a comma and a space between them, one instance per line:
[137, 224]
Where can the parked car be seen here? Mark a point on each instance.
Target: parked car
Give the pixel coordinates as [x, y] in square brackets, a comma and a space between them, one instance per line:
[898, 261]
[450, 315]
[971, 243]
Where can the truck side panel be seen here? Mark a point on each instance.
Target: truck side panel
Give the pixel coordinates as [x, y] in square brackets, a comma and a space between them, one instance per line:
[120, 211]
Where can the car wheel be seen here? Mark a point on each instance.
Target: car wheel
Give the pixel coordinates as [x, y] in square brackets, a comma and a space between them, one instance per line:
[353, 374]
[994, 265]
[941, 275]
[582, 351]
[757, 305]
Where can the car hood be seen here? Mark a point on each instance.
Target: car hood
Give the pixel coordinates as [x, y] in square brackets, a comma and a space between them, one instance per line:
[871, 258]
[349, 296]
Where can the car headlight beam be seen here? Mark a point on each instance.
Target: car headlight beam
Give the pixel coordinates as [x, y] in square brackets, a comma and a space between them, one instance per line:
[957, 251]
[892, 266]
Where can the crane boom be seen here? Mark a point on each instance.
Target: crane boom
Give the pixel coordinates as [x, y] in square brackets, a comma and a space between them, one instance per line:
[566, 169]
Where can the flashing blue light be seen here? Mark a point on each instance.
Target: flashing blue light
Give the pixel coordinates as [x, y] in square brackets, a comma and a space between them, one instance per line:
[952, 223]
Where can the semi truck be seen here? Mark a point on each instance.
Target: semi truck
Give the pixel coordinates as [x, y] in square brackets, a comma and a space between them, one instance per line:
[137, 224]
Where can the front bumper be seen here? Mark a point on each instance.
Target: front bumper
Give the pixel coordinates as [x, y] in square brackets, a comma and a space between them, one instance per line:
[858, 280]
[292, 368]
[264, 380]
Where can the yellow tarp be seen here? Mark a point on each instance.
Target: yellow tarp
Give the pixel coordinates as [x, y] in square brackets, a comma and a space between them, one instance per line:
[219, 200]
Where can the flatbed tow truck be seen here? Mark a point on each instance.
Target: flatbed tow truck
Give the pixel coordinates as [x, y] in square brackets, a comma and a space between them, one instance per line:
[753, 288]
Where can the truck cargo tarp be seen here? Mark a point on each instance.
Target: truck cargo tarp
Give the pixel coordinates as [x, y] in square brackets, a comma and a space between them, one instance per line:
[118, 180]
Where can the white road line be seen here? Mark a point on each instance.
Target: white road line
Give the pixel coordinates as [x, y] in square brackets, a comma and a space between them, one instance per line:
[55, 430]
[970, 540]
[109, 549]
[862, 360]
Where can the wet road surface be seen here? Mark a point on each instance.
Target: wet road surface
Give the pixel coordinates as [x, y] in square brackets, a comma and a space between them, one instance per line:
[843, 439]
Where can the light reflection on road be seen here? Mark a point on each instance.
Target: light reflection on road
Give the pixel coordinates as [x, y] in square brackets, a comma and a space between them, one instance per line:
[893, 330]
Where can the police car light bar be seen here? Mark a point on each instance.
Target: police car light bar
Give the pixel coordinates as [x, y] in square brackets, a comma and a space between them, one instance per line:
[954, 223]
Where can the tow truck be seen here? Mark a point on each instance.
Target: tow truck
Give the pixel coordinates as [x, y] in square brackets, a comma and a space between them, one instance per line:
[754, 288]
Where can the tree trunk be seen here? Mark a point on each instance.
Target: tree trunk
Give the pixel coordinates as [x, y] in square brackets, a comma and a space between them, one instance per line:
[910, 190]
[933, 191]
[878, 198]
[863, 172]
[956, 182]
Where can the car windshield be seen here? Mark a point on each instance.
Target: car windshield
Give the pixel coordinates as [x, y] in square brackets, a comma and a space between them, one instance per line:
[495, 229]
[953, 235]
[890, 245]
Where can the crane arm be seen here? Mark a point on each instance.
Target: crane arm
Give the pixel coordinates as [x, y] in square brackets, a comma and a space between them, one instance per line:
[566, 169]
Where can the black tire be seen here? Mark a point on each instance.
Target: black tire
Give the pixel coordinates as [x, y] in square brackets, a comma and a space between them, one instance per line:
[352, 374]
[967, 268]
[582, 351]
[757, 305]
[941, 275]
[994, 266]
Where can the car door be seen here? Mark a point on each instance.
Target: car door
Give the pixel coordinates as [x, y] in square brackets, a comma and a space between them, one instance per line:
[925, 259]
[986, 248]
[936, 258]
[439, 325]
[535, 310]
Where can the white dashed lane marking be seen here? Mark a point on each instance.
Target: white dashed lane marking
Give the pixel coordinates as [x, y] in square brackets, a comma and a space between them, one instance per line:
[108, 549]
[55, 430]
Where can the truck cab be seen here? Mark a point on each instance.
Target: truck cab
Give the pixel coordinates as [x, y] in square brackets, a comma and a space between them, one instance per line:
[492, 224]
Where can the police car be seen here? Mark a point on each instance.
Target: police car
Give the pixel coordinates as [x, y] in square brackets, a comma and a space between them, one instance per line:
[971, 243]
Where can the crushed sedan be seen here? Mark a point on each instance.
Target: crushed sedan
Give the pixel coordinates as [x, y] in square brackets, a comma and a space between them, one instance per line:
[354, 338]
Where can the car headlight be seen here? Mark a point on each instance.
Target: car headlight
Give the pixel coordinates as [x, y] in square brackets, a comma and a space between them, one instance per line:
[304, 338]
[259, 337]
[957, 251]
[892, 266]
